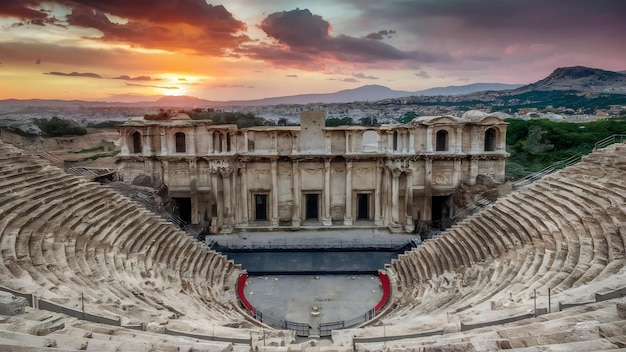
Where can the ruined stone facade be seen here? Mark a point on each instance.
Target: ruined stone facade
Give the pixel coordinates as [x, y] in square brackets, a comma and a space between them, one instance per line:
[391, 176]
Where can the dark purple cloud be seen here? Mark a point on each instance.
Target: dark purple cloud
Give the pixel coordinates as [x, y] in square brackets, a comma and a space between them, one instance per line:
[423, 74]
[363, 76]
[138, 78]
[22, 9]
[74, 74]
[150, 86]
[232, 86]
[381, 34]
[512, 38]
[375, 36]
[304, 40]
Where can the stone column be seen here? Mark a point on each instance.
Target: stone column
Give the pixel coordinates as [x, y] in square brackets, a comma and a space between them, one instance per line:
[502, 142]
[234, 203]
[165, 172]
[456, 172]
[295, 179]
[228, 208]
[294, 144]
[147, 146]
[459, 140]
[192, 142]
[244, 195]
[163, 134]
[395, 194]
[408, 200]
[274, 142]
[476, 139]
[405, 142]
[429, 139]
[326, 220]
[473, 170]
[124, 150]
[390, 142]
[378, 220]
[216, 222]
[411, 141]
[327, 143]
[386, 196]
[210, 149]
[224, 142]
[347, 218]
[193, 186]
[428, 190]
[274, 215]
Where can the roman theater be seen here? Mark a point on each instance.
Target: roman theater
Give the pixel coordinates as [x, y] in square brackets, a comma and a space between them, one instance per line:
[535, 267]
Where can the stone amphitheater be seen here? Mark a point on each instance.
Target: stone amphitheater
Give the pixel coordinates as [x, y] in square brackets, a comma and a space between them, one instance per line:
[541, 269]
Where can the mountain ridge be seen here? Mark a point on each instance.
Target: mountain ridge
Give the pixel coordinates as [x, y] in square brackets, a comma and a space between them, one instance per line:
[575, 78]
[366, 93]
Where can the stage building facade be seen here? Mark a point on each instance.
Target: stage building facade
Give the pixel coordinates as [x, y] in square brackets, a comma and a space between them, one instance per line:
[392, 176]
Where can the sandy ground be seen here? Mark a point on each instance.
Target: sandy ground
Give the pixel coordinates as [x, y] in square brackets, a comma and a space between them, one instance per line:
[297, 298]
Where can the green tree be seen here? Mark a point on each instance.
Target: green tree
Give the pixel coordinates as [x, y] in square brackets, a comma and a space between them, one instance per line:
[369, 121]
[408, 117]
[334, 121]
[57, 127]
[536, 143]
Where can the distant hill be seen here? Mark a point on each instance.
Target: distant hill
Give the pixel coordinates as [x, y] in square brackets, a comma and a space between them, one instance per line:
[466, 89]
[373, 93]
[581, 79]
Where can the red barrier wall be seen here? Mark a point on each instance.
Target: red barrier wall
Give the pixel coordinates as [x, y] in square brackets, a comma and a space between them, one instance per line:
[384, 280]
[241, 285]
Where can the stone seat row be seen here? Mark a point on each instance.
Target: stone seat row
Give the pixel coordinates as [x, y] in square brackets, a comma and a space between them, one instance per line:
[62, 237]
[42, 330]
[597, 326]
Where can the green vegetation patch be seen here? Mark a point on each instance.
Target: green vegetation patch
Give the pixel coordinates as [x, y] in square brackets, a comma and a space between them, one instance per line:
[104, 124]
[537, 144]
[56, 127]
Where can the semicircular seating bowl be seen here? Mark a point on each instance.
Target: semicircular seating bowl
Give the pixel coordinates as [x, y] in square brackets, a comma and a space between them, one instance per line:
[66, 239]
[63, 237]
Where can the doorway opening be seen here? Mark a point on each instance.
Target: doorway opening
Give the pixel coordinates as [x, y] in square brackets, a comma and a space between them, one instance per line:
[363, 206]
[441, 211]
[183, 207]
[260, 207]
[311, 211]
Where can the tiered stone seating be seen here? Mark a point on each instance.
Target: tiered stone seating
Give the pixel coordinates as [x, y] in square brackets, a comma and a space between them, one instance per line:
[559, 234]
[64, 238]
[43, 331]
[596, 327]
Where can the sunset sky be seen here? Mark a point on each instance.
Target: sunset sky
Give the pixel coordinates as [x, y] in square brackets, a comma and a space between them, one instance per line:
[130, 50]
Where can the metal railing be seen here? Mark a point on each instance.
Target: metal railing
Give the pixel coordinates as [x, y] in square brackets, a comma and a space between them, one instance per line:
[616, 138]
[574, 159]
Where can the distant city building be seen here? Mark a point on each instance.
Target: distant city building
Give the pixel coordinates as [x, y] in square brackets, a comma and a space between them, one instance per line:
[392, 176]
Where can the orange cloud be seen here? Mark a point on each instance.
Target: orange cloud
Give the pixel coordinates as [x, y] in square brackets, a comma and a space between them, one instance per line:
[185, 25]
